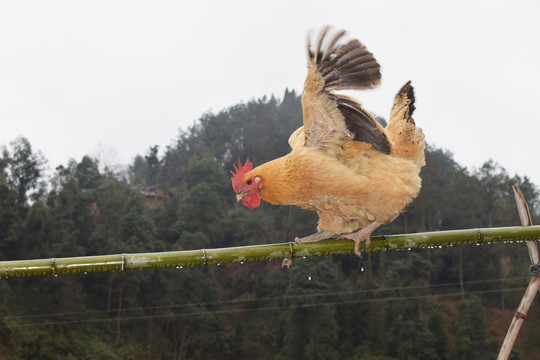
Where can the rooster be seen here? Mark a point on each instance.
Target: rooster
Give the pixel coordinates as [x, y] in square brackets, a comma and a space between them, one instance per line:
[343, 164]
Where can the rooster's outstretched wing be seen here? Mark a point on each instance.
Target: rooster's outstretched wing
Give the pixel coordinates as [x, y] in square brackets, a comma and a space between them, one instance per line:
[330, 118]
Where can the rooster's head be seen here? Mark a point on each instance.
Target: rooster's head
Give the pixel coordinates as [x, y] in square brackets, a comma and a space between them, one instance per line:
[245, 186]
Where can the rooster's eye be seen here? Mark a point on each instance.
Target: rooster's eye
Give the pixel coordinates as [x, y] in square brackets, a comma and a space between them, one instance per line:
[249, 182]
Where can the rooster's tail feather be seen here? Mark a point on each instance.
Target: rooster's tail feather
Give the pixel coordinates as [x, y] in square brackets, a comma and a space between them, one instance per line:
[407, 140]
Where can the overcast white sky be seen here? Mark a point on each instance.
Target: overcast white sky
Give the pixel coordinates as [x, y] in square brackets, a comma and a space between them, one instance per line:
[112, 78]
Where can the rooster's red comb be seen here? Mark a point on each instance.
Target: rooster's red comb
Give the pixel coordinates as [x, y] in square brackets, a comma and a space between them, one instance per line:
[239, 173]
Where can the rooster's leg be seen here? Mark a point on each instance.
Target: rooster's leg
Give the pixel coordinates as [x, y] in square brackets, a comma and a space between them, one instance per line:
[321, 235]
[362, 235]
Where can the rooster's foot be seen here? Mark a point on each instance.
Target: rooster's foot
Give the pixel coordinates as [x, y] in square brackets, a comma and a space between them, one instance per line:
[362, 235]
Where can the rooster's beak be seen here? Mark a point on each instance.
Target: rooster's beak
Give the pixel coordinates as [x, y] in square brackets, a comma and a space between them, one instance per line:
[240, 195]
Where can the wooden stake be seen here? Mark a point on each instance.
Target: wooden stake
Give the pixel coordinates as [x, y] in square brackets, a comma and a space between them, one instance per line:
[534, 285]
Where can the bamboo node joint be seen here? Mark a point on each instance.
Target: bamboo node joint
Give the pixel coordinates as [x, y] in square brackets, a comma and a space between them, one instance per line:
[204, 256]
[535, 270]
[479, 236]
[520, 315]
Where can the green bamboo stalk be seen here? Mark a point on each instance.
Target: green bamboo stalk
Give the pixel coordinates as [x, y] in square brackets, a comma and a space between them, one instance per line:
[121, 262]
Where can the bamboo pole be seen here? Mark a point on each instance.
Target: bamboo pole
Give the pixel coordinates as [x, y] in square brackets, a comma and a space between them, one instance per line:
[121, 262]
[534, 284]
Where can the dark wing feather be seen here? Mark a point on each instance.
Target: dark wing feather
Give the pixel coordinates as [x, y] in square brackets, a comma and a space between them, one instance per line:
[363, 125]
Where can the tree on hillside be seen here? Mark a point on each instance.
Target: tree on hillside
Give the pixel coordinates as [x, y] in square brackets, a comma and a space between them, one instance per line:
[471, 331]
[436, 327]
[407, 335]
[147, 172]
[24, 170]
[495, 185]
[311, 330]
[9, 215]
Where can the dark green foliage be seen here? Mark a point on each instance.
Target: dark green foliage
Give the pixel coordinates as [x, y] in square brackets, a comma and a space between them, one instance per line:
[436, 328]
[137, 228]
[471, 331]
[408, 336]
[311, 332]
[387, 306]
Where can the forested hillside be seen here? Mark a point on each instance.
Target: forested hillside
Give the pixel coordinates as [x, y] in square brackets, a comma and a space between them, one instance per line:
[448, 303]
